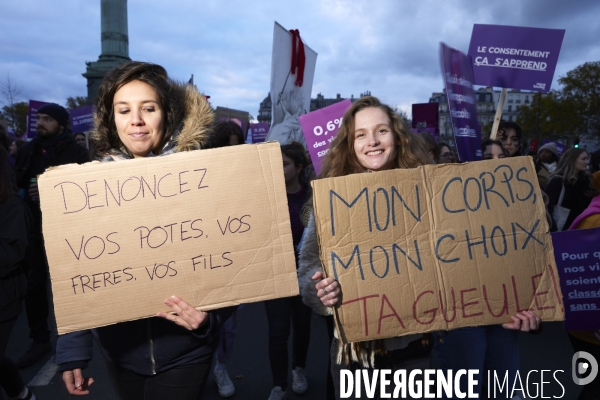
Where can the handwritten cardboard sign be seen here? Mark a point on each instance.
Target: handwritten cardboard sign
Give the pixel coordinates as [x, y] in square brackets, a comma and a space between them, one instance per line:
[462, 103]
[123, 236]
[320, 127]
[436, 247]
[514, 56]
[578, 259]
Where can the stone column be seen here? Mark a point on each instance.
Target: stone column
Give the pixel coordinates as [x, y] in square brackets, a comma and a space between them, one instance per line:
[115, 44]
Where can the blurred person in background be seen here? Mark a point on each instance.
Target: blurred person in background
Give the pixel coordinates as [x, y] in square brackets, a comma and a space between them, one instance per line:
[15, 221]
[546, 163]
[54, 145]
[572, 182]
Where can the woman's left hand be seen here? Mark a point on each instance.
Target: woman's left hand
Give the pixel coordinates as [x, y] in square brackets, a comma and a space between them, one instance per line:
[524, 321]
[185, 315]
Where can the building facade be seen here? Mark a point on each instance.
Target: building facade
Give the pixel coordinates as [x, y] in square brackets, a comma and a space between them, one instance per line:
[487, 101]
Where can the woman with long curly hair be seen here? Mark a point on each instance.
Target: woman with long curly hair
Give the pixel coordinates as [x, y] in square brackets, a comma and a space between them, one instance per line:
[372, 138]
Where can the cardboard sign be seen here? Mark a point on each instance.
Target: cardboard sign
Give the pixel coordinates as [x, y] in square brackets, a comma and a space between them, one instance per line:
[436, 247]
[123, 236]
[34, 106]
[288, 100]
[462, 103]
[578, 259]
[320, 127]
[82, 118]
[515, 57]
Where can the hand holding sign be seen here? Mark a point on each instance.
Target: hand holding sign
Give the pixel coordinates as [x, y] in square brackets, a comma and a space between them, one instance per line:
[328, 289]
[185, 315]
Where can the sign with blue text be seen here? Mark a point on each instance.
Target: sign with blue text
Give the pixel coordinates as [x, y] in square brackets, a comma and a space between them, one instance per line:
[515, 57]
[437, 247]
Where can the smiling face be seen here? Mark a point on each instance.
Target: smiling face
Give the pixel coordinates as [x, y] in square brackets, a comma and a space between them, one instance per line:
[374, 141]
[582, 162]
[139, 117]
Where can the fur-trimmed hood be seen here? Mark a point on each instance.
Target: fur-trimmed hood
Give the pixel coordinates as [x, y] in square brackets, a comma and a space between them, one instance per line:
[194, 117]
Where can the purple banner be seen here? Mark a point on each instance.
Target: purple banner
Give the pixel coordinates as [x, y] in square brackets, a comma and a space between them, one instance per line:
[425, 118]
[82, 118]
[34, 106]
[320, 127]
[577, 255]
[458, 80]
[560, 146]
[259, 132]
[515, 57]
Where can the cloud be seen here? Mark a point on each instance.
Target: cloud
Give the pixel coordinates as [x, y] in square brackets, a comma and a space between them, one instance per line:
[388, 47]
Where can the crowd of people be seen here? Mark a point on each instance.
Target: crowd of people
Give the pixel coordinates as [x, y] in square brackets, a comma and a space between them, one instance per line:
[141, 112]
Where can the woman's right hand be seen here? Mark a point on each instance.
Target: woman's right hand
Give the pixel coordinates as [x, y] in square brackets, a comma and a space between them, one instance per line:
[75, 382]
[328, 289]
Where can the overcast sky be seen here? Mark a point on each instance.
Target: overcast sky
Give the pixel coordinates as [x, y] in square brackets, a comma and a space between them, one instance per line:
[390, 47]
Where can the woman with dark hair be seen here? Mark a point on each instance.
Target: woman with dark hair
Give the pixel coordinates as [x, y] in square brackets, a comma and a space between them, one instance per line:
[509, 133]
[14, 235]
[570, 186]
[430, 145]
[81, 139]
[445, 154]
[492, 149]
[227, 133]
[282, 311]
[141, 112]
[372, 138]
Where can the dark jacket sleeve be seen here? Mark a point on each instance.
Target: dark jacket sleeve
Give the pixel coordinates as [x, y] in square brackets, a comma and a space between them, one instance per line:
[74, 350]
[13, 234]
[205, 332]
[553, 190]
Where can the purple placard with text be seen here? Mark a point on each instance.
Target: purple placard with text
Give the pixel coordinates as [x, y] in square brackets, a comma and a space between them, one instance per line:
[425, 118]
[259, 132]
[560, 146]
[515, 57]
[320, 127]
[34, 106]
[458, 80]
[82, 118]
[577, 255]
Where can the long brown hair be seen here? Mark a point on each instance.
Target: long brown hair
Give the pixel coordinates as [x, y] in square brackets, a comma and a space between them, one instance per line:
[566, 166]
[341, 159]
[105, 137]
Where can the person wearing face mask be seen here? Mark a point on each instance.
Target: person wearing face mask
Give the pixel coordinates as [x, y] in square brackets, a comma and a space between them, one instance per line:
[509, 133]
[546, 163]
[140, 112]
[570, 186]
[371, 139]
